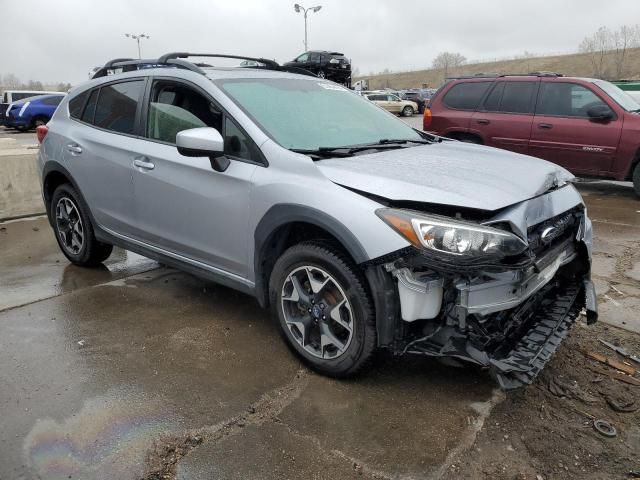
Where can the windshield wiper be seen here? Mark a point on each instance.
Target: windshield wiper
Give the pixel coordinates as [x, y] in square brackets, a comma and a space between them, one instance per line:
[383, 144]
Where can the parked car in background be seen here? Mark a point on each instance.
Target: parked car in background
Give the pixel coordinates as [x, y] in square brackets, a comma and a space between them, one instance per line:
[393, 103]
[10, 96]
[32, 112]
[591, 127]
[330, 65]
[416, 97]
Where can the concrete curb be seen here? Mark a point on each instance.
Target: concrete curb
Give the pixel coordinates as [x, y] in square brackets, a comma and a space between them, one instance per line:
[19, 183]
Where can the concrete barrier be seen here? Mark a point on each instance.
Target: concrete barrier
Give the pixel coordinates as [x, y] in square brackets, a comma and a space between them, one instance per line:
[19, 183]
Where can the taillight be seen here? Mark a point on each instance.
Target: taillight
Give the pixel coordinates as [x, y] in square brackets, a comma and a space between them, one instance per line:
[41, 132]
[426, 118]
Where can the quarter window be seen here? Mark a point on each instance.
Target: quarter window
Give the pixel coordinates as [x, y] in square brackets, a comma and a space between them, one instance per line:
[117, 105]
[90, 109]
[563, 99]
[466, 96]
[237, 144]
[77, 103]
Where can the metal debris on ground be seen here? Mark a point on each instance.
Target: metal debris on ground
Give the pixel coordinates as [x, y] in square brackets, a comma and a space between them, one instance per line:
[620, 351]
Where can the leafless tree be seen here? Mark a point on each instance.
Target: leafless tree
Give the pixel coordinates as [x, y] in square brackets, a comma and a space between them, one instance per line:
[622, 39]
[448, 60]
[10, 81]
[596, 47]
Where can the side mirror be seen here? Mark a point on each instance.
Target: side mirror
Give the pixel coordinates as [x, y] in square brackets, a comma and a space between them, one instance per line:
[600, 113]
[203, 142]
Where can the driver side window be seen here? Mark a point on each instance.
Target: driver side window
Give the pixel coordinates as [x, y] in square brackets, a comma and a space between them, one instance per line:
[303, 58]
[563, 99]
[175, 107]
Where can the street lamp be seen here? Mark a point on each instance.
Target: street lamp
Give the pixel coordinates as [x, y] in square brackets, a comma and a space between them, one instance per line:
[137, 39]
[299, 8]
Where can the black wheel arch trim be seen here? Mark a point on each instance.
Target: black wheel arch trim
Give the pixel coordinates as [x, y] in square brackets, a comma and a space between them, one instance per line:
[55, 167]
[283, 214]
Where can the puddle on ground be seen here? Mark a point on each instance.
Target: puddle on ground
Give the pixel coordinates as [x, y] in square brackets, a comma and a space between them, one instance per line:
[108, 438]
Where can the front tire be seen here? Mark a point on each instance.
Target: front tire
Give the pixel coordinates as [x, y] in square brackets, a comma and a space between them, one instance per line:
[636, 180]
[323, 310]
[73, 229]
[407, 111]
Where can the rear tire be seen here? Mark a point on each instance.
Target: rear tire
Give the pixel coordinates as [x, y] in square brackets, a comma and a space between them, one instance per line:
[407, 111]
[73, 229]
[322, 307]
[636, 180]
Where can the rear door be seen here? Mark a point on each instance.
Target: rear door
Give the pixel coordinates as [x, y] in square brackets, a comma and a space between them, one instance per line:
[505, 118]
[393, 104]
[564, 134]
[183, 205]
[99, 146]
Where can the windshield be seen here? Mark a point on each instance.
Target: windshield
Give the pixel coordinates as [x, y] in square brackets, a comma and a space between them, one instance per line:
[306, 115]
[619, 96]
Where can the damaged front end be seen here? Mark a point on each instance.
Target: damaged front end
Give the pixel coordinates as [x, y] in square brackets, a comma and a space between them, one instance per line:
[506, 306]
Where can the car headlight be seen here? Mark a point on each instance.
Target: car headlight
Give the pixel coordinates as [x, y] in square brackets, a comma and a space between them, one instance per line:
[334, 61]
[452, 237]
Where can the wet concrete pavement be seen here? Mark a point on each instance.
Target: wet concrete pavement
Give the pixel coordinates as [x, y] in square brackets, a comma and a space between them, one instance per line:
[108, 373]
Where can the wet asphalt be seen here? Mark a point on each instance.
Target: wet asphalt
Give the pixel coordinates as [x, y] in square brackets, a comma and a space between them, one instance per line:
[100, 367]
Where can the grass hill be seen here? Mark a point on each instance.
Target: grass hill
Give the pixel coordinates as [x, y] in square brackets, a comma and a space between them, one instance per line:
[575, 65]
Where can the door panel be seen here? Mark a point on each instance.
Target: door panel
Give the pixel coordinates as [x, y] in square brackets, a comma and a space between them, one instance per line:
[562, 133]
[100, 157]
[184, 206]
[505, 119]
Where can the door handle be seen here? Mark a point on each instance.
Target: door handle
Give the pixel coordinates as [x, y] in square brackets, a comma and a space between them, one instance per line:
[545, 125]
[143, 163]
[483, 121]
[74, 148]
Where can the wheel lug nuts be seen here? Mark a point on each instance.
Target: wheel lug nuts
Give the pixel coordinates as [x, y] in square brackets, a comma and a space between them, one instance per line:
[323, 317]
[309, 310]
[322, 306]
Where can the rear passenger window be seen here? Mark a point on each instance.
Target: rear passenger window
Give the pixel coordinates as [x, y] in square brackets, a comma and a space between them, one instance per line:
[117, 105]
[517, 97]
[77, 103]
[492, 103]
[90, 109]
[466, 96]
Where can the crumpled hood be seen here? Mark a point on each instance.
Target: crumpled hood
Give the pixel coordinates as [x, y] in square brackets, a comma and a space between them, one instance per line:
[450, 173]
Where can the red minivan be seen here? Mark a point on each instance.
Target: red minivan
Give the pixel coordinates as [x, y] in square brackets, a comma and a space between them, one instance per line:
[588, 126]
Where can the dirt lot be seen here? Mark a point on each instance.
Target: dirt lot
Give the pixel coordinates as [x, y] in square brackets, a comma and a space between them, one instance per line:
[134, 371]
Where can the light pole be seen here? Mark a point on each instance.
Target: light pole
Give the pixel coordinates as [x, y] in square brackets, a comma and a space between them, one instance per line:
[299, 8]
[137, 39]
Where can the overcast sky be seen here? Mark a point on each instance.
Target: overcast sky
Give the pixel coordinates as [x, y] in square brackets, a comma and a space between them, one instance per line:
[61, 40]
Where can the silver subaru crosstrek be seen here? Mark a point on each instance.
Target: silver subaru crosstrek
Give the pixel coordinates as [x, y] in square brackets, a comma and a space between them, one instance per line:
[358, 231]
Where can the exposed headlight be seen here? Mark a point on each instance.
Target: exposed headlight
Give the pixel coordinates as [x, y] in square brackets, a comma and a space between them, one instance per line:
[452, 237]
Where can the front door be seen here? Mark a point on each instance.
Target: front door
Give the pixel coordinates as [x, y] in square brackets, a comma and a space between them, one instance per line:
[183, 205]
[564, 134]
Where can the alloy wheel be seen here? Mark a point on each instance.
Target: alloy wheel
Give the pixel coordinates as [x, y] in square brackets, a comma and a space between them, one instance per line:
[69, 226]
[317, 312]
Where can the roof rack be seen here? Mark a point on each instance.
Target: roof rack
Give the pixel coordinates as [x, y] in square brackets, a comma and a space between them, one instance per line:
[176, 60]
[501, 75]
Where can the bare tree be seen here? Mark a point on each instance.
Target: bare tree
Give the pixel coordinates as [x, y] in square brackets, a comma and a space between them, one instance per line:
[11, 81]
[448, 60]
[622, 39]
[596, 47]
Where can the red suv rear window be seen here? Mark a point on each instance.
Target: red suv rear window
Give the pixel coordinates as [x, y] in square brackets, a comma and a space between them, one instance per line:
[466, 96]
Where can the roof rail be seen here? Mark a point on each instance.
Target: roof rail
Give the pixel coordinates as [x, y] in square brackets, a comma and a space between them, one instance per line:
[501, 75]
[176, 60]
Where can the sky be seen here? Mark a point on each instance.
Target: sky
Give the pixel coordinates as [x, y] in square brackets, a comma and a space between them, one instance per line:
[61, 40]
